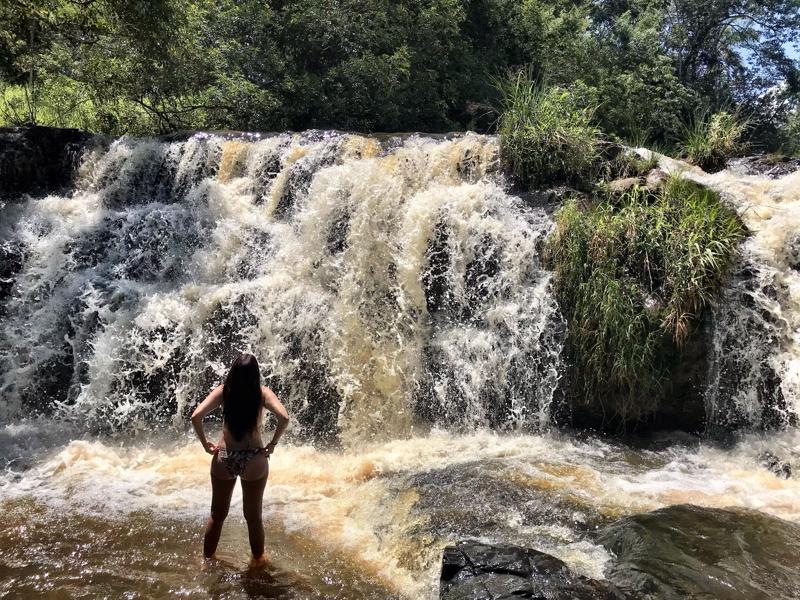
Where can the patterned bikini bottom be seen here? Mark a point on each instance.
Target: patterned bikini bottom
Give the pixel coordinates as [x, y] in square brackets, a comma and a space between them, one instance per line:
[236, 460]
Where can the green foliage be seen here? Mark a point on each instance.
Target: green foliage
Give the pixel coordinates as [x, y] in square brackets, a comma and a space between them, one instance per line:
[791, 144]
[709, 142]
[152, 66]
[546, 135]
[639, 93]
[626, 163]
[633, 275]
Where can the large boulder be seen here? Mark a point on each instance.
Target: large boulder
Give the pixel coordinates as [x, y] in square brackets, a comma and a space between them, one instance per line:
[477, 571]
[689, 552]
[38, 160]
[656, 180]
[620, 186]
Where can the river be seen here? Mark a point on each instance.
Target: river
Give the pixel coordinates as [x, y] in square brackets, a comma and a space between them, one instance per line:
[393, 292]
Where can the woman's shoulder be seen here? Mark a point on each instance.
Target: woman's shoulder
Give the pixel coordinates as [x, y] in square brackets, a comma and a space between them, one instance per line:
[267, 394]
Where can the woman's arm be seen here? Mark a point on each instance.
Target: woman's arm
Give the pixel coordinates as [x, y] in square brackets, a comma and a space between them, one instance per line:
[212, 401]
[273, 405]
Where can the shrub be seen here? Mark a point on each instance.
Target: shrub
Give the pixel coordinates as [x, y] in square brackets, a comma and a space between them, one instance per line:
[792, 134]
[626, 163]
[633, 275]
[708, 143]
[546, 136]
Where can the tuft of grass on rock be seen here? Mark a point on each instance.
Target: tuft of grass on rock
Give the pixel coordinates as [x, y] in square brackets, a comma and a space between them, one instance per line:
[710, 142]
[546, 135]
[633, 275]
[624, 164]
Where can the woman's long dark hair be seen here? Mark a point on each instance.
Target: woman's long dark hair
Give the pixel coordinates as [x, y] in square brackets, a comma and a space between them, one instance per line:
[241, 396]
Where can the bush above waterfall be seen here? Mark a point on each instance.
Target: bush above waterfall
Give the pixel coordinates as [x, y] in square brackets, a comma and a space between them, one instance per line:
[546, 134]
[147, 67]
[709, 142]
[633, 274]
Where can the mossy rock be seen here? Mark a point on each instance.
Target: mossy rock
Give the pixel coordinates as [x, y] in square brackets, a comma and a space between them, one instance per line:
[634, 273]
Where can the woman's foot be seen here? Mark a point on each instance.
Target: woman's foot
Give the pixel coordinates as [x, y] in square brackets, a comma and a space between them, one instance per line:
[258, 561]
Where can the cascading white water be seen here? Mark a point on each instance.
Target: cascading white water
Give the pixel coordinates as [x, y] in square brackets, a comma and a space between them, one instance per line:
[379, 283]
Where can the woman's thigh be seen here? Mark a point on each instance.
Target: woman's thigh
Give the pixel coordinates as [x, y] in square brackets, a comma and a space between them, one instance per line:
[221, 492]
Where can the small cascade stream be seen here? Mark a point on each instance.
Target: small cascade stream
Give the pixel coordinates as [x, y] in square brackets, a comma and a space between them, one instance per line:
[755, 347]
[393, 292]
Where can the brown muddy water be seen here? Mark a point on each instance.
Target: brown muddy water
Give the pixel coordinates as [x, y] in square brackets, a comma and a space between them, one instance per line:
[113, 517]
[381, 283]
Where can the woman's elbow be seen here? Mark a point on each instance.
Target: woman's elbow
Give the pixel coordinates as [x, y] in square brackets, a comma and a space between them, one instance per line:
[283, 419]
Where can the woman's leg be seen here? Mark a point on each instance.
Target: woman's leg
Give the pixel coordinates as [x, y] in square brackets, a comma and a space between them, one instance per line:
[252, 498]
[221, 492]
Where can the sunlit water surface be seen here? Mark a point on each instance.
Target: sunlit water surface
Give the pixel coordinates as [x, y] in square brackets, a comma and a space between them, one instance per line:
[123, 517]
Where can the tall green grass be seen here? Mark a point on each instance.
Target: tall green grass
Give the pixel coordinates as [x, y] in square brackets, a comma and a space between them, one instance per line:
[708, 142]
[546, 135]
[633, 275]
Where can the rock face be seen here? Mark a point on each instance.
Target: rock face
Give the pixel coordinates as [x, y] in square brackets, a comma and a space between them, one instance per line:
[656, 179]
[687, 551]
[773, 167]
[780, 468]
[38, 160]
[620, 186]
[476, 571]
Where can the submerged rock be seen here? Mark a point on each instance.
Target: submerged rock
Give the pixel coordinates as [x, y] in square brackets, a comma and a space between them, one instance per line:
[781, 469]
[687, 551]
[476, 571]
[447, 506]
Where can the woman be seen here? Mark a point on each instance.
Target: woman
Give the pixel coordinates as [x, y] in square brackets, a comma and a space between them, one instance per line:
[240, 451]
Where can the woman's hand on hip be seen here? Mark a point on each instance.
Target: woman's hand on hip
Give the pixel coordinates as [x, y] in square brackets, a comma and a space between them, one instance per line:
[211, 448]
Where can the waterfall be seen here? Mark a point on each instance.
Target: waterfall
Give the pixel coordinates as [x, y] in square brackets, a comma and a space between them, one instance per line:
[754, 346]
[382, 284]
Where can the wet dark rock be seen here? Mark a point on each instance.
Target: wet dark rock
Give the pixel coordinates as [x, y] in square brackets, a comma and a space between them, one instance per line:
[12, 257]
[300, 175]
[686, 551]
[477, 571]
[509, 505]
[793, 251]
[746, 333]
[38, 160]
[550, 199]
[771, 166]
[435, 281]
[781, 469]
[610, 151]
[337, 234]
[682, 406]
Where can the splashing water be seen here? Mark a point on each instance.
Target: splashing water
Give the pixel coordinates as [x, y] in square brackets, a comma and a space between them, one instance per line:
[393, 293]
[755, 347]
[378, 284]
